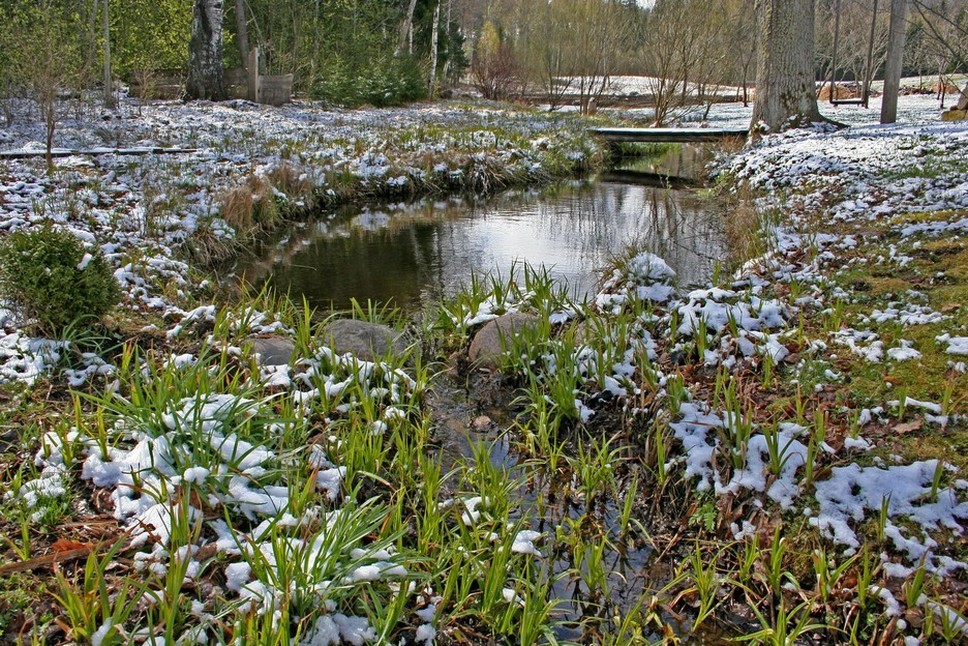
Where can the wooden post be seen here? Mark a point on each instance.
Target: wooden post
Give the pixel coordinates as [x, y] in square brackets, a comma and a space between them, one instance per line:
[253, 73]
[895, 60]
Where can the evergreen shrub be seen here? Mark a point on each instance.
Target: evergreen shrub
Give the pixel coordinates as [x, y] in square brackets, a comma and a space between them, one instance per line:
[49, 275]
[380, 82]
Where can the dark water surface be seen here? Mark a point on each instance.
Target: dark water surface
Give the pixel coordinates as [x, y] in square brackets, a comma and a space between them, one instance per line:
[412, 254]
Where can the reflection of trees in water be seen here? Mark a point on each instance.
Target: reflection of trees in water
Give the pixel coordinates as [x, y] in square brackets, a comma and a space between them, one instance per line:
[423, 251]
[380, 265]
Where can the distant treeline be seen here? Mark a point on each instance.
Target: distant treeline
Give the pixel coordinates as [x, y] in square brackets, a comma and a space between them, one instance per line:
[351, 52]
[348, 51]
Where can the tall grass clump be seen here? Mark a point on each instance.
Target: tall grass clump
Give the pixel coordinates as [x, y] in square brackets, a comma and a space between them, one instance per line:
[50, 275]
[251, 205]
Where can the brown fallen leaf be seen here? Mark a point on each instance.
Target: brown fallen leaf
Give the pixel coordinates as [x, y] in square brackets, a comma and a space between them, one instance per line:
[67, 545]
[206, 552]
[57, 557]
[908, 427]
[950, 307]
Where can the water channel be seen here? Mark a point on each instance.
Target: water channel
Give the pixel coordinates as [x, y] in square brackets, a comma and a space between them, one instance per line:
[413, 254]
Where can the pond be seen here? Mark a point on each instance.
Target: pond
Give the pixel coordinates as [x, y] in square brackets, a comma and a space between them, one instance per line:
[412, 254]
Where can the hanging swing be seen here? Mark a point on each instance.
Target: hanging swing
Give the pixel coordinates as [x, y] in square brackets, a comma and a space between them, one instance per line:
[868, 68]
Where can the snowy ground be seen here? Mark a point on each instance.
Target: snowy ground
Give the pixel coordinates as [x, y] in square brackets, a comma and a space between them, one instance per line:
[915, 108]
[141, 210]
[856, 309]
[833, 203]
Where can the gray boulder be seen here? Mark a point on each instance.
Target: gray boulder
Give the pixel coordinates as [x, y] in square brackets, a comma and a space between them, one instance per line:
[366, 341]
[490, 341]
[273, 350]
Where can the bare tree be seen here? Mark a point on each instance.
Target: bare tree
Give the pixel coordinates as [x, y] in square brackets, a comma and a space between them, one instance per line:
[205, 52]
[496, 71]
[945, 32]
[740, 45]
[684, 53]
[863, 28]
[597, 36]
[786, 92]
[45, 60]
[577, 46]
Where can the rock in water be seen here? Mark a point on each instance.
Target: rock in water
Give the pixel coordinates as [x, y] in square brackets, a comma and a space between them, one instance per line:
[481, 423]
[489, 343]
[367, 341]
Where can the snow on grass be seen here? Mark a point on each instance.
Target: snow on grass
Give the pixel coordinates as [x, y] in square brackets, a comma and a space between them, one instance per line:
[225, 447]
[853, 491]
[955, 344]
[868, 173]
[853, 177]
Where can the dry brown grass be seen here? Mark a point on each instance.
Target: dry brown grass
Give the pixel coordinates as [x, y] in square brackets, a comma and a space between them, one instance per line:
[250, 204]
[744, 235]
[730, 146]
[288, 179]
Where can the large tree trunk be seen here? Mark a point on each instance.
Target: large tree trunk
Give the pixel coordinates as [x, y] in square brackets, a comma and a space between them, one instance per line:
[894, 64]
[205, 52]
[786, 94]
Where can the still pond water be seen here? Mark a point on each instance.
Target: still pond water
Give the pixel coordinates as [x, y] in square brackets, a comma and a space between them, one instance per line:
[412, 254]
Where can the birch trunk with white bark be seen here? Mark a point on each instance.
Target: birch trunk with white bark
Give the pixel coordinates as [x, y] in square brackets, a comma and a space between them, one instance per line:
[205, 52]
[434, 36]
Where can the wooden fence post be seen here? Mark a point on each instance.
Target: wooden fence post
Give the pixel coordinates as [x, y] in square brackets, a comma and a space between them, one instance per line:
[253, 73]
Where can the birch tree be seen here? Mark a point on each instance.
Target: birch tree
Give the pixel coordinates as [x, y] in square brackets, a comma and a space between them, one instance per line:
[205, 52]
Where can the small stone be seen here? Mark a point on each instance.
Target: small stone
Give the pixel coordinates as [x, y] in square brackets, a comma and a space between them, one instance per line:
[481, 423]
